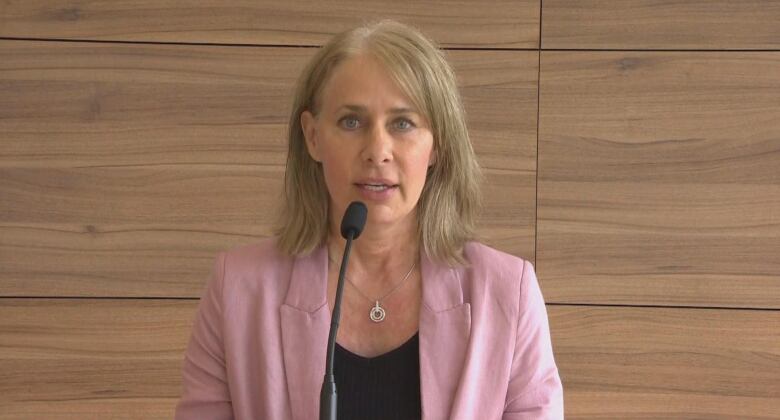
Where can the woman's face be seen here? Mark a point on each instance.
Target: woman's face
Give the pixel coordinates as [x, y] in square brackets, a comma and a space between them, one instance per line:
[373, 144]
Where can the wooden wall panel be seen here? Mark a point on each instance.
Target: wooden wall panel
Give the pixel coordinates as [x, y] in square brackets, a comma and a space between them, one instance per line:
[659, 179]
[92, 358]
[125, 168]
[665, 363]
[649, 24]
[503, 24]
[121, 358]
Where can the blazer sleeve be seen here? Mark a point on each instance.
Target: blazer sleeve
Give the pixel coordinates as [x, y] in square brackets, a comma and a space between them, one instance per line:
[535, 390]
[205, 393]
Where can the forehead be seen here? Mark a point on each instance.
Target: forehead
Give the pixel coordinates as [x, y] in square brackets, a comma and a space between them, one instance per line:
[363, 81]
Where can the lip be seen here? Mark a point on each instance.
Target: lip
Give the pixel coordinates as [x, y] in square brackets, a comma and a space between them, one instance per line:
[377, 181]
[376, 196]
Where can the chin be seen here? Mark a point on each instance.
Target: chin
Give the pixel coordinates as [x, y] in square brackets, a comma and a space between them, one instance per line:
[384, 217]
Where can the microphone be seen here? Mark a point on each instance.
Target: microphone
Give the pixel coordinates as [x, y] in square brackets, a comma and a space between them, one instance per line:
[351, 227]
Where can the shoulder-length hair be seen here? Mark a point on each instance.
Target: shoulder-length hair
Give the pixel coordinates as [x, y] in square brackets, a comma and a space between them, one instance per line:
[450, 198]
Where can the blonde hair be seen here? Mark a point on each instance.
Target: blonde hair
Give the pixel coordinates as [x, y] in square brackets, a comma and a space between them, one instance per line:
[450, 198]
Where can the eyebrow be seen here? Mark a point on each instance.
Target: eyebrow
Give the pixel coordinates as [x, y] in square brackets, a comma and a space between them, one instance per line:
[397, 110]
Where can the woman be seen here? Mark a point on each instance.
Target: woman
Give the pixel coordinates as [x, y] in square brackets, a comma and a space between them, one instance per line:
[433, 325]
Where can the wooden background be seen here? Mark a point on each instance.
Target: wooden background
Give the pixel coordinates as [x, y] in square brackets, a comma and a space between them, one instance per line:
[632, 151]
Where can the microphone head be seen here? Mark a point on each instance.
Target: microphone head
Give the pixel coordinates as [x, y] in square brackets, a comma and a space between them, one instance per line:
[354, 219]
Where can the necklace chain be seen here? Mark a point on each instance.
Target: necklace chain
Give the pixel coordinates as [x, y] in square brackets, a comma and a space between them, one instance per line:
[388, 293]
[377, 312]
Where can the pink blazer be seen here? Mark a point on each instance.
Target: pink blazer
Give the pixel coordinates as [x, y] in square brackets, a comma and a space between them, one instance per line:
[257, 349]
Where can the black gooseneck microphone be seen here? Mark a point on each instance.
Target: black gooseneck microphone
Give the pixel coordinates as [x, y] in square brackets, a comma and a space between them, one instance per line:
[351, 226]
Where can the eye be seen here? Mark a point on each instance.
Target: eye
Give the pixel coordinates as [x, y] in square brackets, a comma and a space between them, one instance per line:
[404, 124]
[350, 122]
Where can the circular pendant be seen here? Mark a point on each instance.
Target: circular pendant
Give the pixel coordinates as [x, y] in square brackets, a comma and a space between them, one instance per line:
[377, 313]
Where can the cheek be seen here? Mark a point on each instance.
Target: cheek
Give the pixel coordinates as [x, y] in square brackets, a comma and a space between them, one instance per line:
[423, 159]
[332, 171]
[417, 167]
[421, 164]
[335, 169]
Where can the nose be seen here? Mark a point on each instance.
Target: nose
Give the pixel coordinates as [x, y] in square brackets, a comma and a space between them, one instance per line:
[378, 145]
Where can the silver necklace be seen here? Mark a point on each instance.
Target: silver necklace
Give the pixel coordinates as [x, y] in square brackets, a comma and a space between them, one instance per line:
[377, 312]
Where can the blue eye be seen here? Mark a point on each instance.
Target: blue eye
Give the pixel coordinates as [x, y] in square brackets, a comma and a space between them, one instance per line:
[403, 124]
[349, 122]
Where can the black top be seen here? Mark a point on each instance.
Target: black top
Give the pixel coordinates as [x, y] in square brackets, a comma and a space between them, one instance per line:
[385, 387]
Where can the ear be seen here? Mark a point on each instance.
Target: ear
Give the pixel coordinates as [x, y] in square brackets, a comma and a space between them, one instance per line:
[309, 127]
[432, 158]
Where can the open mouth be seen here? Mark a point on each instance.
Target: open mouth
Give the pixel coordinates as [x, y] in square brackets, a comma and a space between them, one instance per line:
[377, 187]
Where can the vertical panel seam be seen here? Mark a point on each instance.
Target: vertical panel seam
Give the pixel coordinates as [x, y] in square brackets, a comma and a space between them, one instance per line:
[536, 168]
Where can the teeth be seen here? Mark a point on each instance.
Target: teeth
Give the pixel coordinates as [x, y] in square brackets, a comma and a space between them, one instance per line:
[374, 187]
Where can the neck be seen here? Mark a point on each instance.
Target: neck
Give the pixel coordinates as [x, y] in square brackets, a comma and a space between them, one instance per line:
[379, 254]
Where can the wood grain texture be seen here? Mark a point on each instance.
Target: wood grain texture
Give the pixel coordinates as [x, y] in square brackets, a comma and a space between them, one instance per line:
[121, 358]
[664, 363]
[125, 168]
[659, 178]
[503, 24]
[649, 24]
[92, 358]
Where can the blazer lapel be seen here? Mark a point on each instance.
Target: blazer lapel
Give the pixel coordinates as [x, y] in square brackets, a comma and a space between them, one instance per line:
[305, 318]
[445, 327]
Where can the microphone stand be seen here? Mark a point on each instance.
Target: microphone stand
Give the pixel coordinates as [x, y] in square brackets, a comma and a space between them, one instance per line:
[328, 397]
[351, 226]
